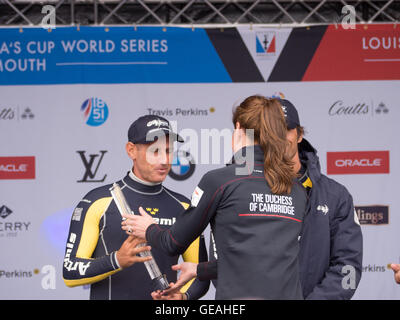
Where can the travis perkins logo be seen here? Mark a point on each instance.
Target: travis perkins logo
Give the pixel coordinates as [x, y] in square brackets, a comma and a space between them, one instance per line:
[373, 215]
[178, 111]
[358, 162]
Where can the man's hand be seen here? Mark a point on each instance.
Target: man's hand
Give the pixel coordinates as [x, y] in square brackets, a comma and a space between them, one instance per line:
[188, 271]
[137, 225]
[160, 295]
[127, 254]
[396, 270]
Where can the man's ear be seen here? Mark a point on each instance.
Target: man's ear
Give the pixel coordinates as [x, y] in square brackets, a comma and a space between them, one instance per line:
[131, 150]
[300, 138]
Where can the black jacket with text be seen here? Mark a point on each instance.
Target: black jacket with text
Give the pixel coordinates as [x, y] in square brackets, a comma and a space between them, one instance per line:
[256, 232]
[331, 245]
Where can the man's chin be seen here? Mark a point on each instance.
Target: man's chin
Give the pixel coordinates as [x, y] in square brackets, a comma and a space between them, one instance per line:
[160, 177]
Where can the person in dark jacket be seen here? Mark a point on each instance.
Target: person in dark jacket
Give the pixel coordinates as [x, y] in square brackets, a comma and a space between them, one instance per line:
[331, 245]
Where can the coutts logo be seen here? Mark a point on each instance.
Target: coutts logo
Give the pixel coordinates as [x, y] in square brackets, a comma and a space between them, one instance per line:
[358, 162]
[373, 215]
[341, 108]
[16, 114]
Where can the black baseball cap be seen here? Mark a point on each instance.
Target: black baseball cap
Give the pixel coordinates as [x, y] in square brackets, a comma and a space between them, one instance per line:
[149, 128]
[291, 114]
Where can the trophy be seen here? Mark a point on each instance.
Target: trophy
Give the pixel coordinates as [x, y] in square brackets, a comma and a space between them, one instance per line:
[158, 279]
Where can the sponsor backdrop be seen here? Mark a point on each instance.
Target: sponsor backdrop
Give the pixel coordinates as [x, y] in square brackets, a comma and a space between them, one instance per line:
[68, 97]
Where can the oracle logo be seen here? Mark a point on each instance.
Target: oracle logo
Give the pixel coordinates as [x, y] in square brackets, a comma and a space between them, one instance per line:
[14, 168]
[17, 168]
[358, 162]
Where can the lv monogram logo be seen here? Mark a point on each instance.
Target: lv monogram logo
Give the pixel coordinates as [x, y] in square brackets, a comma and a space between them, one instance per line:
[89, 164]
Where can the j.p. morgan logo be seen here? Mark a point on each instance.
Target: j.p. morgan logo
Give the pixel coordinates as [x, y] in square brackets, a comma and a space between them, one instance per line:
[358, 162]
[373, 215]
[343, 108]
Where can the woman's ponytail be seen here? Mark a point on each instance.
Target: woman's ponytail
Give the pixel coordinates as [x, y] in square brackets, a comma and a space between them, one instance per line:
[266, 118]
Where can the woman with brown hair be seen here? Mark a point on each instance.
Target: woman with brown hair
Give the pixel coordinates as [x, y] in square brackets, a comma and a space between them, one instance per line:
[255, 209]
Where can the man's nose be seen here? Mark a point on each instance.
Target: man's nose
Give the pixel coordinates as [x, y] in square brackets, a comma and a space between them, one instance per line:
[163, 158]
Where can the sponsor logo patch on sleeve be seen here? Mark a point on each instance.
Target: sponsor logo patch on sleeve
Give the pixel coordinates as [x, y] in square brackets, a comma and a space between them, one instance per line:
[196, 196]
[76, 216]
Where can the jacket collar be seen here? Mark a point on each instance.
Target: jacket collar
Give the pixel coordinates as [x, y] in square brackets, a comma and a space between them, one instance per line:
[245, 151]
[308, 155]
[135, 184]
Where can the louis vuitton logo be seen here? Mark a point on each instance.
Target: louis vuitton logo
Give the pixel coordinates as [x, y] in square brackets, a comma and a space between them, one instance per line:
[91, 167]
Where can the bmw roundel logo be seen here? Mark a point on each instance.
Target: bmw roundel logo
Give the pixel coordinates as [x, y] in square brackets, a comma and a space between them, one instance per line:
[182, 166]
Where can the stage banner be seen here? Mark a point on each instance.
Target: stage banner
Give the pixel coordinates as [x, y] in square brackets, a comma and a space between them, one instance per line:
[68, 96]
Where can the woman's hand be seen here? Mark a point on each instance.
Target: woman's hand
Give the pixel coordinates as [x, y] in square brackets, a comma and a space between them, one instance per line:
[137, 225]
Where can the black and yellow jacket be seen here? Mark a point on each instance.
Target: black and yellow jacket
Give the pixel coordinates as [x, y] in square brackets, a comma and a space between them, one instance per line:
[95, 236]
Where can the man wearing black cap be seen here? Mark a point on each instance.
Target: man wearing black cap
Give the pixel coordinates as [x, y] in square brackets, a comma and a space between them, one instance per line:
[331, 246]
[99, 253]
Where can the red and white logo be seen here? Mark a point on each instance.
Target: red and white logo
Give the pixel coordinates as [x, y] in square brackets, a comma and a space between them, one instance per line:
[17, 168]
[266, 43]
[357, 162]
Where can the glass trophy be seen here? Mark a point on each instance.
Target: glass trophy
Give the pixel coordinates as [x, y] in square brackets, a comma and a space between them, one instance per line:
[158, 279]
